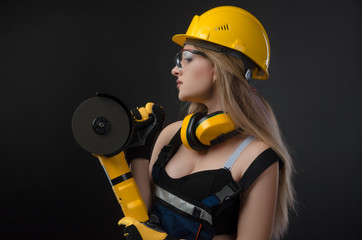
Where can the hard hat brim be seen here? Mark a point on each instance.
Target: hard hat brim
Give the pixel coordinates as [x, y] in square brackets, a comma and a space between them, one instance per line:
[181, 38]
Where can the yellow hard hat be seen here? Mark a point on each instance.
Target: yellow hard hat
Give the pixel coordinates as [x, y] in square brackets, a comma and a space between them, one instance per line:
[233, 28]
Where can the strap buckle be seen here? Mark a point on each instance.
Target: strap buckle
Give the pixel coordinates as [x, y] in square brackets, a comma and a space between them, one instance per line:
[230, 190]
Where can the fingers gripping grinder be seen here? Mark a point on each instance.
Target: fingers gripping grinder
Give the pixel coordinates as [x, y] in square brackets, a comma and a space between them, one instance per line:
[103, 126]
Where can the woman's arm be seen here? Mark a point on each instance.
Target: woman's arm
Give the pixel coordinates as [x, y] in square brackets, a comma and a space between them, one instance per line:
[258, 206]
[139, 169]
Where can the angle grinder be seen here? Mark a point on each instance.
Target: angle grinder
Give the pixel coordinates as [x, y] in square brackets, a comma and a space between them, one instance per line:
[103, 126]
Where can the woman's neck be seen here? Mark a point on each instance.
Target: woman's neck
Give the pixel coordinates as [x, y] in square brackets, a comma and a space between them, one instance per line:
[213, 107]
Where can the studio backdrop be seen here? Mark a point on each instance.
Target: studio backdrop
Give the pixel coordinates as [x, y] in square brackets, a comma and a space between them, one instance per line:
[56, 54]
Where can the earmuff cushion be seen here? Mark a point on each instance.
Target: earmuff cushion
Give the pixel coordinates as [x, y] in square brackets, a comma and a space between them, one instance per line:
[191, 138]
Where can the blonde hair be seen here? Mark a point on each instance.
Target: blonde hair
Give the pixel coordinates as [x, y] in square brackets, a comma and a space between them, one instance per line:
[250, 112]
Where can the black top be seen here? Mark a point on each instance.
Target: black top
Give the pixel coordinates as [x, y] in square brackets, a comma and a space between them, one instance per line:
[200, 185]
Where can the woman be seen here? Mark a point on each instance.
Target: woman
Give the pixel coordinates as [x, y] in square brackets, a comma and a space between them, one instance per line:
[222, 49]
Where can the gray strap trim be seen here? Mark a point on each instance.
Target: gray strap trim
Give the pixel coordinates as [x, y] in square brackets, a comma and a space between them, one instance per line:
[230, 162]
[182, 205]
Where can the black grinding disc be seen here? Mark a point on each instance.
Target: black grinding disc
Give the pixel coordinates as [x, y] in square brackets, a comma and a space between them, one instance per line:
[102, 125]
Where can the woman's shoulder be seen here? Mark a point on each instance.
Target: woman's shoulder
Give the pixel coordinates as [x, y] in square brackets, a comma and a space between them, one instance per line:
[170, 130]
[248, 155]
[173, 126]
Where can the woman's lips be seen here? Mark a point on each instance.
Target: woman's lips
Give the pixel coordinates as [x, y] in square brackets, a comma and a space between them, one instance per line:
[178, 83]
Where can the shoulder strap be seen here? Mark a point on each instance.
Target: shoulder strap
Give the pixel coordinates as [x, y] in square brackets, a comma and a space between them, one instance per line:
[230, 162]
[166, 153]
[258, 166]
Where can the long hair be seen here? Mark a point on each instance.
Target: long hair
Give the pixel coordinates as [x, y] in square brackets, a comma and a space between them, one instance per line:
[251, 112]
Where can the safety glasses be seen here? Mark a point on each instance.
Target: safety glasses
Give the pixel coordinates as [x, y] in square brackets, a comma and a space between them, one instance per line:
[185, 56]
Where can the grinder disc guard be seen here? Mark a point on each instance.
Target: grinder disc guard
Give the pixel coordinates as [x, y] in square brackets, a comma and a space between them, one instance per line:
[102, 125]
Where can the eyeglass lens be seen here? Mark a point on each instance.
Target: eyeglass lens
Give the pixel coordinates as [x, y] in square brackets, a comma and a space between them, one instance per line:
[183, 58]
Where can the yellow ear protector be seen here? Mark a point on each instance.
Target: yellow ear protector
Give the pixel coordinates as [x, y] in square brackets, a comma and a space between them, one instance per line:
[199, 131]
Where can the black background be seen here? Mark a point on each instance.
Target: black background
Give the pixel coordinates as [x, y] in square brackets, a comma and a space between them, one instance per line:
[54, 55]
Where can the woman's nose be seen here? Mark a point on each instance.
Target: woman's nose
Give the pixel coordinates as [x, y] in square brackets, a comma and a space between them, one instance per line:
[175, 71]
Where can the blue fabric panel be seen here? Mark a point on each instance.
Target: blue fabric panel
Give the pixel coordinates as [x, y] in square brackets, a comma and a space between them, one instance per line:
[182, 227]
[211, 201]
